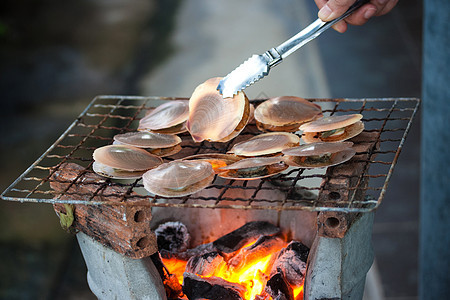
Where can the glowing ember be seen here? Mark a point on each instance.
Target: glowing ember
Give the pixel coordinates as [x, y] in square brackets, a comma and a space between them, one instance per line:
[298, 292]
[176, 267]
[253, 275]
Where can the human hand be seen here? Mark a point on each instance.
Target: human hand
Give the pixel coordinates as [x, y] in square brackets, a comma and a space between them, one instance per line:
[331, 9]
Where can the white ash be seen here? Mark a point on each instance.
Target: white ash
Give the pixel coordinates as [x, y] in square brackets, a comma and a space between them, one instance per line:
[173, 237]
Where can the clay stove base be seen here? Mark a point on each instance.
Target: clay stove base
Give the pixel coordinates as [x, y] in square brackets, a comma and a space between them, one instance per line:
[112, 275]
[337, 267]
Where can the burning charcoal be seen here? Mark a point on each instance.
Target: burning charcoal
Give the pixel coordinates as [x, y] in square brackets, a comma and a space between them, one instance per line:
[261, 248]
[249, 232]
[172, 236]
[186, 255]
[291, 263]
[212, 288]
[171, 285]
[278, 288]
[204, 264]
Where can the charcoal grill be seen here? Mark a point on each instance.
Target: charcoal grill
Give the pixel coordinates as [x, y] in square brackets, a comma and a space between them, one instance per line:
[387, 122]
[330, 209]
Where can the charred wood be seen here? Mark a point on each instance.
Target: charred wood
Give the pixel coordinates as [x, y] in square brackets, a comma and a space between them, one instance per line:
[212, 288]
[278, 288]
[204, 264]
[264, 246]
[249, 232]
[229, 243]
[186, 255]
[291, 263]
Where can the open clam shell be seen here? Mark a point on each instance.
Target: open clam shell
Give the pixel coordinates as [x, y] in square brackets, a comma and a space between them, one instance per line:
[285, 113]
[144, 139]
[213, 118]
[167, 116]
[178, 178]
[217, 160]
[265, 144]
[109, 172]
[156, 143]
[317, 148]
[127, 158]
[253, 168]
[319, 155]
[180, 128]
[332, 128]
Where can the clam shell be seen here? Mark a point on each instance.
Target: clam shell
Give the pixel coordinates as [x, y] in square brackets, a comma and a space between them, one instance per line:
[335, 159]
[251, 114]
[106, 171]
[163, 152]
[126, 158]
[319, 148]
[178, 178]
[180, 128]
[330, 123]
[285, 113]
[266, 144]
[350, 131]
[166, 115]
[269, 166]
[144, 139]
[253, 162]
[217, 160]
[213, 118]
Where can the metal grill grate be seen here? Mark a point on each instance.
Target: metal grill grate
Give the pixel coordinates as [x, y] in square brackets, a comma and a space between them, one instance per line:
[387, 122]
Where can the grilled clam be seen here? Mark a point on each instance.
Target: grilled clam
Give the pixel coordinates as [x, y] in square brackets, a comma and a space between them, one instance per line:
[285, 113]
[123, 161]
[266, 144]
[217, 160]
[253, 168]
[169, 117]
[318, 155]
[213, 118]
[109, 172]
[178, 178]
[332, 128]
[156, 143]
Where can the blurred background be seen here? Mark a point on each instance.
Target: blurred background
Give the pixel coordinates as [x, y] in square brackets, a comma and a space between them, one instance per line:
[56, 56]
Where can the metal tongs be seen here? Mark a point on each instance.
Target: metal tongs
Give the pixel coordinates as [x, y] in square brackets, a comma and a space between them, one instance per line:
[258, 66]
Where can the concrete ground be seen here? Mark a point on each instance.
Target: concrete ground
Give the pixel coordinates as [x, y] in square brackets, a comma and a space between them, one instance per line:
[56, 57]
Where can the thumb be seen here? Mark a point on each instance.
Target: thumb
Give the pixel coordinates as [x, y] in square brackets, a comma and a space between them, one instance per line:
[334, 8]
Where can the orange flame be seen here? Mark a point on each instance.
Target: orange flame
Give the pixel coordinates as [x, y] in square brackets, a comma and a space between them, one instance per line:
[176, 267]
[298, 292]
[253, 276]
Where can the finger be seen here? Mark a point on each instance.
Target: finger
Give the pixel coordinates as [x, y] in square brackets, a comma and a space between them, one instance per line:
[340, 26]
[334, 8]
[362, 15]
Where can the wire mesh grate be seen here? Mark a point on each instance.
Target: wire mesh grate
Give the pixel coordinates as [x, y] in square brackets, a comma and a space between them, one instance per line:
[387, 122]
